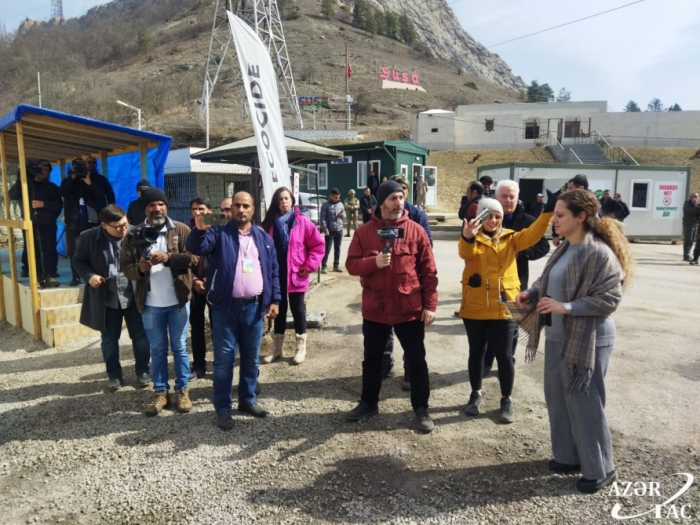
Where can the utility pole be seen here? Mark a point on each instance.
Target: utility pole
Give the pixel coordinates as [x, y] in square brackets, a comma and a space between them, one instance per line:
[348, 98]
[38, 82]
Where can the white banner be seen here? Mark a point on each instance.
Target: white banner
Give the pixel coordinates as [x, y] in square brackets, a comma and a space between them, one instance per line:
[263, 98]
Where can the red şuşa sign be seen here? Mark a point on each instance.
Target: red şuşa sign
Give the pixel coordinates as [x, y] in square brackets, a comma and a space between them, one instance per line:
[398, 76]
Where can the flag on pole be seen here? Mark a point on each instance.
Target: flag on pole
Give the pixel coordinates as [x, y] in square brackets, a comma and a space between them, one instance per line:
[258, 72]
[349, 69]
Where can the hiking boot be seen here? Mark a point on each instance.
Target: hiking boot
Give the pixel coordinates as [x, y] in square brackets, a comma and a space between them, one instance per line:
[475, 401]
[224, 421]
[361, 411]
[253, 409]
[74, 282]
[323, 269]
[337, 269]
[160, 400]
[300, 354]
[50, 282]
[425, 424]
[562, 468]
[406, 383]
[276, 352]
[183, 403]
[507, 415]
[115, 384]
[590, 486]
[694, 262]
[143, 380]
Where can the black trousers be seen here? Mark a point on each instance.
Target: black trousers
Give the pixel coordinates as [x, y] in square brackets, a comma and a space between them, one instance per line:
[498, 335]
[73, 231]
[199, 344]
[293, 301]
[334, 239]
[489, 356]
[411, 336]
[44, 246]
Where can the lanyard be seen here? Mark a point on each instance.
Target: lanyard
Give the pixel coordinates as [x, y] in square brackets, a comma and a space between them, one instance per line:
[247, 248]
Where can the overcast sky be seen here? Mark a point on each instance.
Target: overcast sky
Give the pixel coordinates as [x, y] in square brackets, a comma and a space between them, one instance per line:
[647, 50]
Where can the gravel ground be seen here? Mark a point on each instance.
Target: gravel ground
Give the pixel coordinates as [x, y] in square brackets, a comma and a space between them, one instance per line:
[70, 452]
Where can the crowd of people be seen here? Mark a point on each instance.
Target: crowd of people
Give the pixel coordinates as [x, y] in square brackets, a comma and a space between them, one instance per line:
[161, 276]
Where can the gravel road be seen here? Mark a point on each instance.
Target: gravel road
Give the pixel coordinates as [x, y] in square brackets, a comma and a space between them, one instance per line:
[70, 452]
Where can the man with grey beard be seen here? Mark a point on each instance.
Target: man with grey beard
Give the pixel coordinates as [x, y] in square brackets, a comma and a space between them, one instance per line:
[163, 279]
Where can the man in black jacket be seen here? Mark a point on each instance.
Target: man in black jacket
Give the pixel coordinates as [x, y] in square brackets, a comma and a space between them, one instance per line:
[368, 203]
[515, 218]
[690, 224]
[85, 193]
[46, 204]
[537, 206]
[624, 211]
[135, 214]
[109, 298]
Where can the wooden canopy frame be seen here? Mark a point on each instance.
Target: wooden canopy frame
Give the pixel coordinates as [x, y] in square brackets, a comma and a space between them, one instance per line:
[29, 132]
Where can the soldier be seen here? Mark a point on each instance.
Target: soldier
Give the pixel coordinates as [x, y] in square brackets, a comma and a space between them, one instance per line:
[351, 205]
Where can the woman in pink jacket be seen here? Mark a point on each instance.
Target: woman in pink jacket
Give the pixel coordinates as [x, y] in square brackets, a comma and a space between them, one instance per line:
[300, 249]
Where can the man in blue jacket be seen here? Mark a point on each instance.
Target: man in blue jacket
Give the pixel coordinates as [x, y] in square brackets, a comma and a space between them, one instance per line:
[242, 287]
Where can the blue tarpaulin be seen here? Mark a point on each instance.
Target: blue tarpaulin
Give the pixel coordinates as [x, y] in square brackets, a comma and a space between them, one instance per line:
[123, 171]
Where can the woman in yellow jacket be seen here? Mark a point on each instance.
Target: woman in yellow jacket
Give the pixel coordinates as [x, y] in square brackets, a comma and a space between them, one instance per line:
[489, 279]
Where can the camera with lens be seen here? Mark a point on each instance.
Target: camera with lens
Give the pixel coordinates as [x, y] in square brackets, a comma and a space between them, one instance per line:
[34, 168]
[143, 239]
[80, 170]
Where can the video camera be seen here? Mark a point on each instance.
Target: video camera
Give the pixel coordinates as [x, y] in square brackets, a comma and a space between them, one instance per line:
[389, 234]
[80, 168]
[143, 238]
[34, 168]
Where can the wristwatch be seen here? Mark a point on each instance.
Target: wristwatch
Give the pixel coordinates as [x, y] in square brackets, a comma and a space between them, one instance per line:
[567, 308]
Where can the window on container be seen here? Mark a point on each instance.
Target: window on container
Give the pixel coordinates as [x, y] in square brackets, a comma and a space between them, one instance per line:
[362, 174]
[532, 129]
[434, 130]
[640, 195]
[311, 179]
[323, 176]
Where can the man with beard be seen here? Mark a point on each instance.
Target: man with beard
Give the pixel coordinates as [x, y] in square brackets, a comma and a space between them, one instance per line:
[163, 291]
[409, 309]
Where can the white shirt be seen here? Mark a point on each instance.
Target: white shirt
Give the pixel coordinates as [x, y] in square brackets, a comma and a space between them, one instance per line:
[162, 290]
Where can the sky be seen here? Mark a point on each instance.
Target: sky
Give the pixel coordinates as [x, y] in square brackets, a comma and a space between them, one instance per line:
[644, 51]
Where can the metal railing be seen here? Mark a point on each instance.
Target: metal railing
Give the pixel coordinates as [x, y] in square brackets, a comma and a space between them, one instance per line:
[617, 154]
[627, 158]
[572, 152]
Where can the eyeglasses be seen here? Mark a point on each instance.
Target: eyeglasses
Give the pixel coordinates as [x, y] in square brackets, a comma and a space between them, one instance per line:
[120, 227]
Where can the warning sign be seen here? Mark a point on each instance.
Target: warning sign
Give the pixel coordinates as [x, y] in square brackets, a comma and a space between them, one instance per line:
[667, 200]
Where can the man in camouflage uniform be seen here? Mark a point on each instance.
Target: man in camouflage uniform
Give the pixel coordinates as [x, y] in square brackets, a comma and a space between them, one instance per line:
[352, 204]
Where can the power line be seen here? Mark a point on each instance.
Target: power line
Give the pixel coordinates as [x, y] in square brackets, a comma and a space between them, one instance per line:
[566, 24]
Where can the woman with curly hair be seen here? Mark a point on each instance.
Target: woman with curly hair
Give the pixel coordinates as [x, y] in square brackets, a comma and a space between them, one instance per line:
[300, 249]
[580, 287]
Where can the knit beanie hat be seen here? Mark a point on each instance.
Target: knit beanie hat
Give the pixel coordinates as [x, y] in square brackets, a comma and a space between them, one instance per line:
[142, 184]
[149, 195]
[489, 204]
[387, 188]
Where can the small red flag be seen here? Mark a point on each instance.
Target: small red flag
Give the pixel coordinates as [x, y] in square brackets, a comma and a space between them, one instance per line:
[349, 69]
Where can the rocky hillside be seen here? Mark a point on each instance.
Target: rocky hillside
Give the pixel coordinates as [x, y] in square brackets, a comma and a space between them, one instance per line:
[152, 54]
[440, 31]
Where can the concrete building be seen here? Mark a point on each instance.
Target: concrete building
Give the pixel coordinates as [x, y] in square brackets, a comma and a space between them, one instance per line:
[528, 125]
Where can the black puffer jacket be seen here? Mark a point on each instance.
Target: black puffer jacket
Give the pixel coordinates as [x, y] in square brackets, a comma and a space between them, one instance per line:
[519, 221]
[96, 195]
[45, 191]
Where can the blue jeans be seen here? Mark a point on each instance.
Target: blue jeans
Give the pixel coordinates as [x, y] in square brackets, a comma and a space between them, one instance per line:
[158, 322]
[241, 325]
[110, 340]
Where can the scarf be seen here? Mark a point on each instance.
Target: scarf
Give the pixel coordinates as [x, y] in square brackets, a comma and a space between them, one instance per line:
[594, 280]
[282, 227]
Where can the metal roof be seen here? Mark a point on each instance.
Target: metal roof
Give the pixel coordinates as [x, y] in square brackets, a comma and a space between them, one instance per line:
[53, 135]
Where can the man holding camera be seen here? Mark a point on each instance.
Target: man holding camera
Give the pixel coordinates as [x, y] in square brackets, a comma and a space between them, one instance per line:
[154, 256]
[109, 298]
[242, 287]
[392, 255]
[45, 203]
[85, 193]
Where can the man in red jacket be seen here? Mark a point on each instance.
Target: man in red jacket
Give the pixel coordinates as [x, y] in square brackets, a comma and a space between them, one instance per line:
[399, 289]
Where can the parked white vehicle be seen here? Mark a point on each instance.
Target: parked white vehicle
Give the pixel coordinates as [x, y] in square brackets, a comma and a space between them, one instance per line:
[310, 204]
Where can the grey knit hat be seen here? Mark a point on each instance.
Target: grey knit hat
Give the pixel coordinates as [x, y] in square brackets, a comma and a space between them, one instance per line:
[489, 204]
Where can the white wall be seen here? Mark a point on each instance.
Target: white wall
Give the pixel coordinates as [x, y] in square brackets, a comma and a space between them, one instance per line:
[650, 128]
[422, 130]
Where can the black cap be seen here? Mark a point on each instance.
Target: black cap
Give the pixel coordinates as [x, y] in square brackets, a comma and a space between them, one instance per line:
[486, 179]
[143, 183]
[580, 180]
[149, 195]
[387, 188]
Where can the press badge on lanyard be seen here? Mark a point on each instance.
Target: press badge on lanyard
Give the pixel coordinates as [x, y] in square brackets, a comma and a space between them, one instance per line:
[247, 263]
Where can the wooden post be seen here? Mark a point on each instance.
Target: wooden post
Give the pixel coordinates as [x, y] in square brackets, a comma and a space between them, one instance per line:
[143, 160]
[10, 238]
[30, 247]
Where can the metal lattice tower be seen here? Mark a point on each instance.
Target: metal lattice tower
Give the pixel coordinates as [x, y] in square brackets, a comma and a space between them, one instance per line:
[56, 8]
[264, 17]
